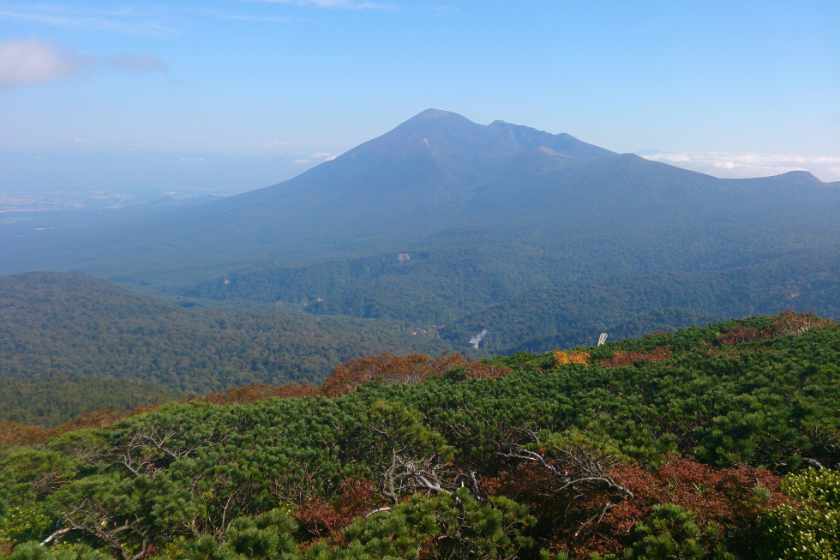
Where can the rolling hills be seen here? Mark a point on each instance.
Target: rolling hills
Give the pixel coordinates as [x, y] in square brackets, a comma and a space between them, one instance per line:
[71, 343]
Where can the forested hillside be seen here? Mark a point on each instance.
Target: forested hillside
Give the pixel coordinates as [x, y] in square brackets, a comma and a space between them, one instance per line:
[70, 343]
[719, 442]
[540, 239]
[539, 293]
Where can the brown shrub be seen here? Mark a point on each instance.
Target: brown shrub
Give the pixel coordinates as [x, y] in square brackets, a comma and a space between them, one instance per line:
[321, 518]
[253, 393]
[732, 498]
[621, 358]
[14, 433]
[784, 324]
[412, 368]
[795, 324]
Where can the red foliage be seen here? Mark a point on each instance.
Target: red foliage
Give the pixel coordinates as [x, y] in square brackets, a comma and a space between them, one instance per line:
[621, 358]
[253, 393]
[412, 368]
[792, 324]
[321, 518]
[100, 418]
[14, 433]
[568, 516]
[318, 517]
[784, 324]
[727, 497]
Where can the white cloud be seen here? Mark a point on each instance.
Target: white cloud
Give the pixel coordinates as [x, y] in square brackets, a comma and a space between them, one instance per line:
[118, 21]
[317, 157]
[33, 62]
[726, 164]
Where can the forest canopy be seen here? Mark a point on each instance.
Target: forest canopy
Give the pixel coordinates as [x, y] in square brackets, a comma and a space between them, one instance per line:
[70, 343]
[715, 442]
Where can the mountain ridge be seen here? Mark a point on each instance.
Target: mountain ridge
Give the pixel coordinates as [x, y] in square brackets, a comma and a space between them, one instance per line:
[434, 173]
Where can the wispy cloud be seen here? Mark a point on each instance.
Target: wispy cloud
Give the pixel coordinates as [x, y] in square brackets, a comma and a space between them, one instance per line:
[33, 62]
[248, 18]
[317, 157]
[331, 4]
[727, 164]
[30, 62]
[118, 21]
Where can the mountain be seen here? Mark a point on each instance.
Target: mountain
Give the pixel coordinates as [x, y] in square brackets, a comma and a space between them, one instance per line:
[464, 227]
[70, 343]
[417, 179]
[423, 177]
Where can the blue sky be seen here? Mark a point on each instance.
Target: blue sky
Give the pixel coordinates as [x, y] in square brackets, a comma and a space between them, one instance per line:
[732, 87]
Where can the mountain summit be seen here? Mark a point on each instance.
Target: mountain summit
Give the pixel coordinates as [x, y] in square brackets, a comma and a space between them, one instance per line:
[450, 135]
[419, 177]
[434, 174]
[432, 114]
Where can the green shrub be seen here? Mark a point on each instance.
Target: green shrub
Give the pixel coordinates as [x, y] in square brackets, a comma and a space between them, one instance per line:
[672, 533]
[809, 529]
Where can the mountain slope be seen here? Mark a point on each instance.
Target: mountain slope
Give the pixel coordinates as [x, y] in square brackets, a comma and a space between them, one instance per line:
[509, 228]
[673, 443]
[436, 172]
[70, 328]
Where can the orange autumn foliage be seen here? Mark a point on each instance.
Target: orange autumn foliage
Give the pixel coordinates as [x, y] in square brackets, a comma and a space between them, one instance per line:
[13, 433]
[785, 324]
[562, 358]
[622, 358]
[258, 392]
[346, 377]
[413, 368]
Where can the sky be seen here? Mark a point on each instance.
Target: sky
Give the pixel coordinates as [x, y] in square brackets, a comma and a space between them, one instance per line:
[230, 95]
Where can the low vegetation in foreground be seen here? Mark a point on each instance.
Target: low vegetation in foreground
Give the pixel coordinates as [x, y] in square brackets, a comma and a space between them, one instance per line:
[720, 442]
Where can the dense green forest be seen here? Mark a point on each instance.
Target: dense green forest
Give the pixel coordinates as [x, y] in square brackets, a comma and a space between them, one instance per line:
[719, 442]
[70, 343]
[537, 293]
[55, 399]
